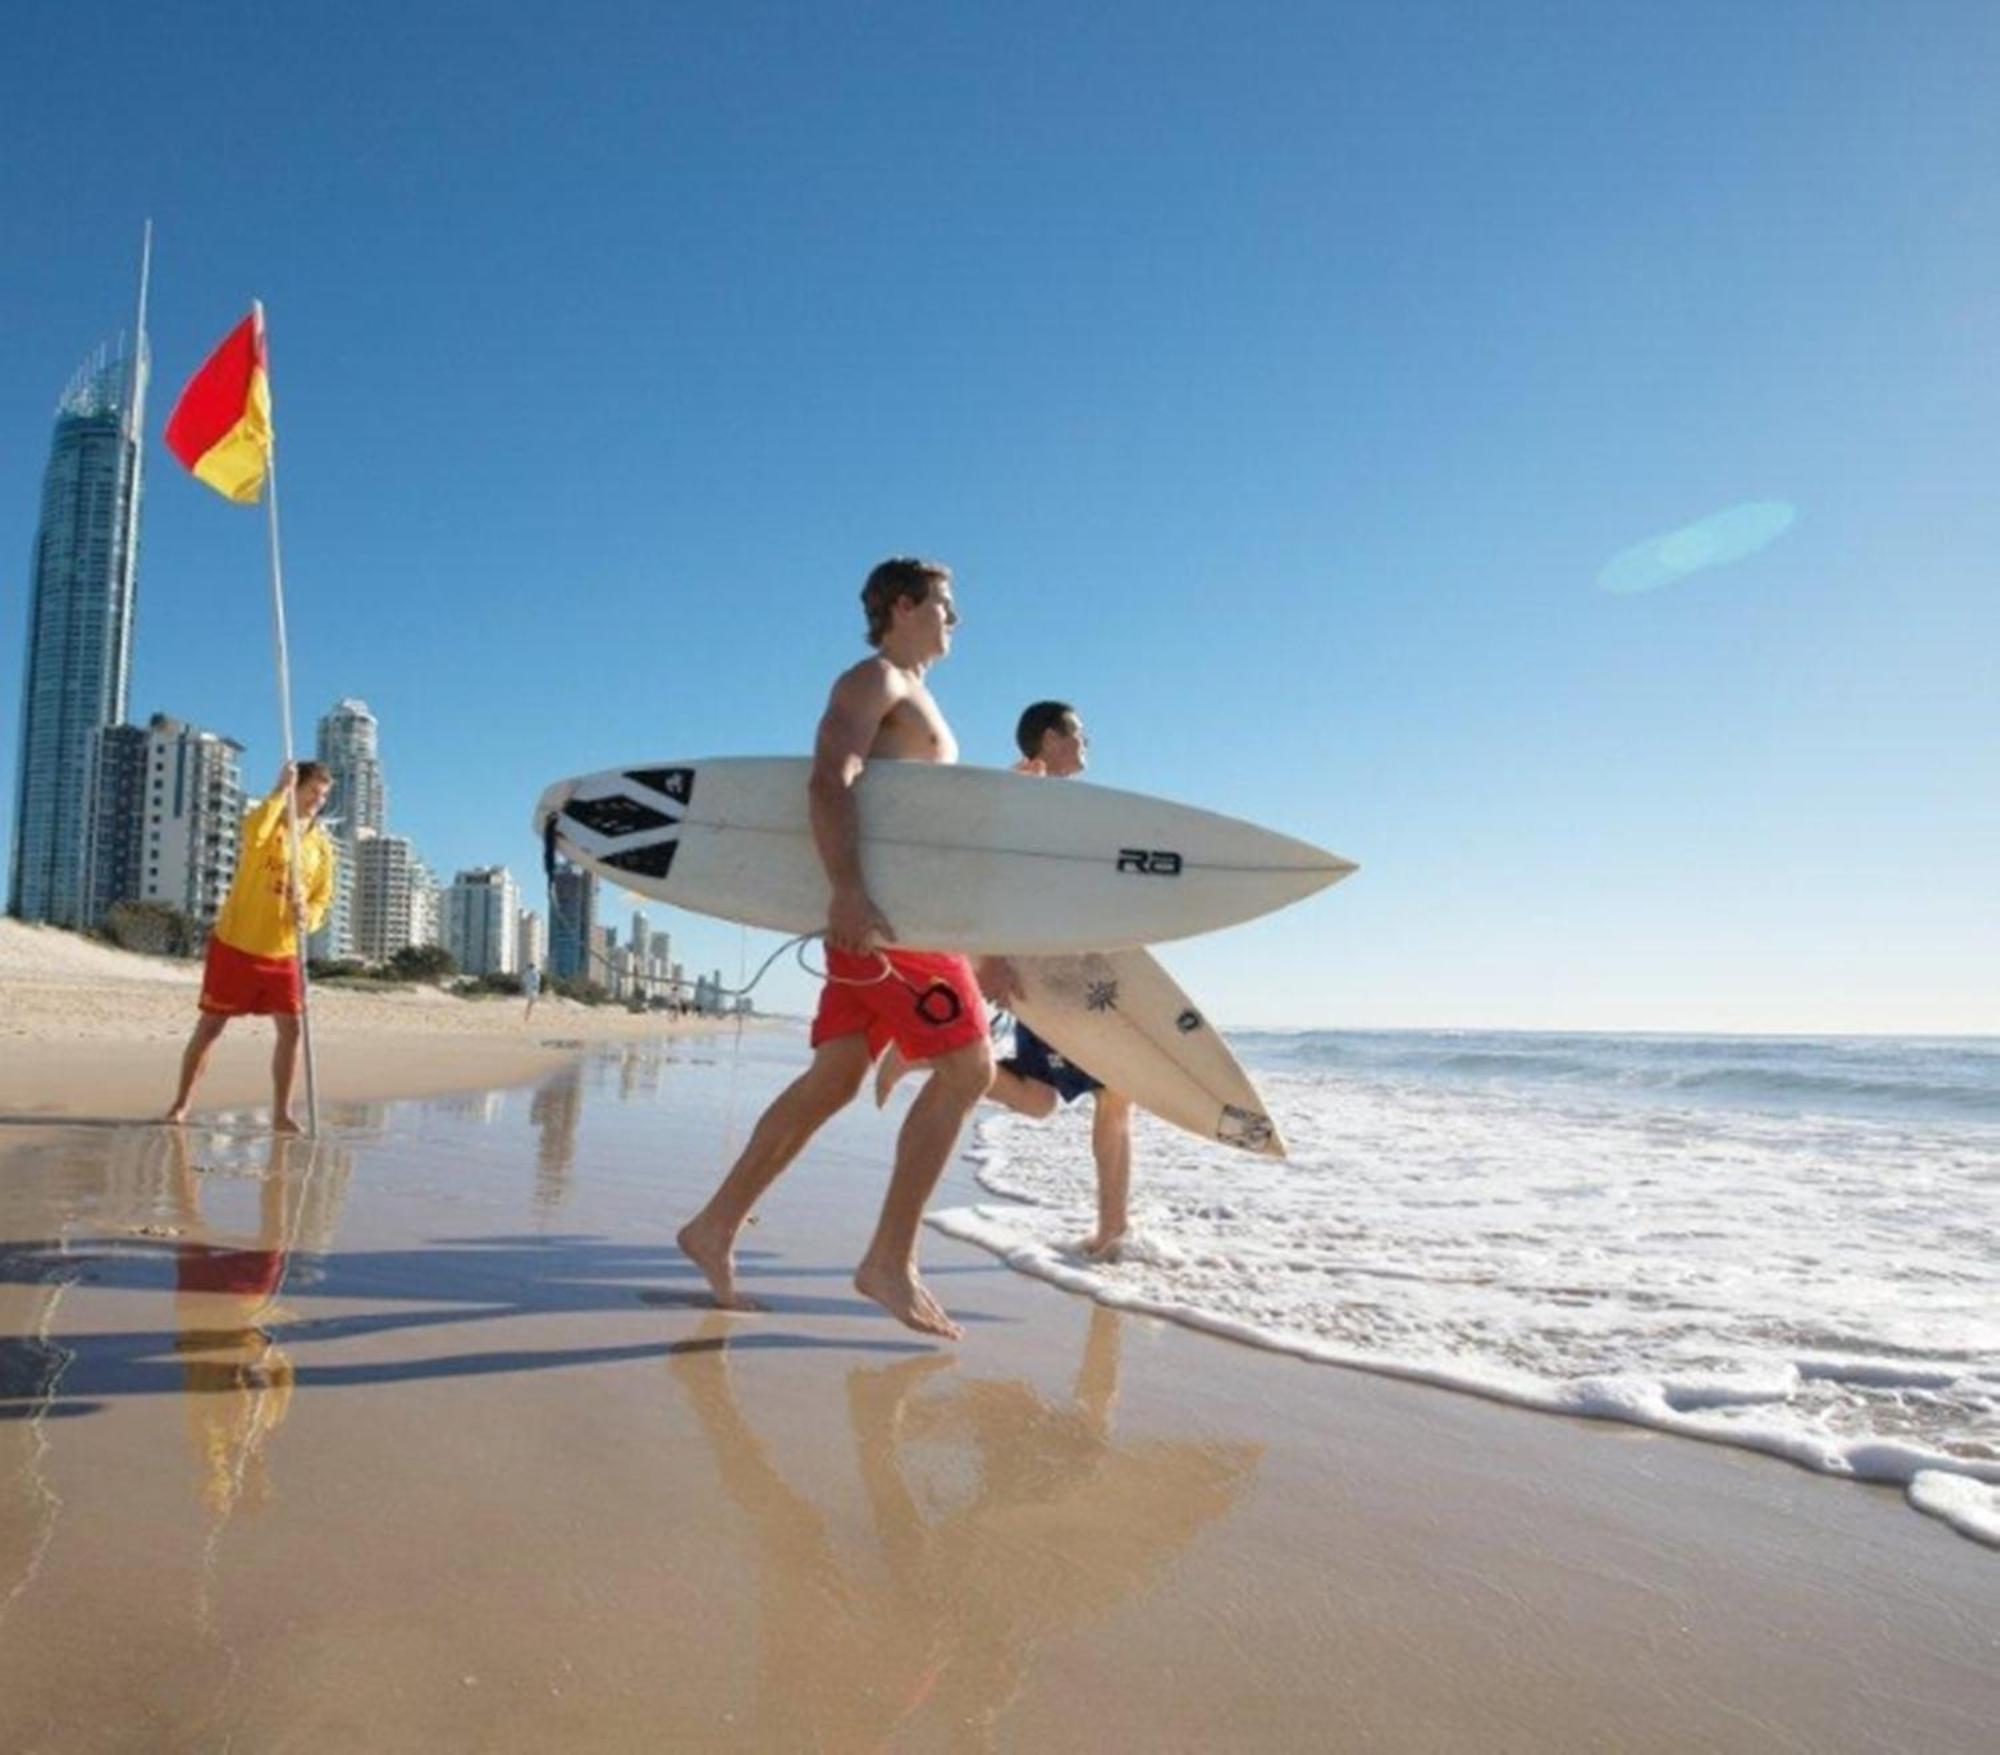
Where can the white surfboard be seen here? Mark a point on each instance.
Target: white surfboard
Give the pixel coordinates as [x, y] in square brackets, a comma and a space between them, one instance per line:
[957, 858]
[1124, 1020]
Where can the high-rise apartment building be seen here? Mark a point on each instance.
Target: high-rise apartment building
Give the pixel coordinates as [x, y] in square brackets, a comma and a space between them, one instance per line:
[334, 941]
[482, 921]
[426, 906]
[166, 818]
[572, 922]
[388, 912]
[83, 585]
[532, 951]
[349, 744]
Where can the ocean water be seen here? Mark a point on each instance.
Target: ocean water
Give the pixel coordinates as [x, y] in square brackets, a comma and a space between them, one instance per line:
[1792, 1245]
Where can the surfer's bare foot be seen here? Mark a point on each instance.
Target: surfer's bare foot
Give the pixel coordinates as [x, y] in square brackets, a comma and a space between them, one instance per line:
[1106, 1246]
[286, 1124]
[714, 1253]
[895, 1286]
[176, 1116]
[891, 1068]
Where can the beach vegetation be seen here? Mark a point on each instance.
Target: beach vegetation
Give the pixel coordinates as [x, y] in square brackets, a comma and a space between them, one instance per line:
[472, 986]
[157, 929]
[421, 963]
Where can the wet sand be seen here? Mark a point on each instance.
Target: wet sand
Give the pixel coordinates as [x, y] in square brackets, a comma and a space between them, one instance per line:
[419, 1438]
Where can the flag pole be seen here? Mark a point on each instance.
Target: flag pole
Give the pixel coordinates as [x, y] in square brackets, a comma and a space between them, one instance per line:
[293, 884]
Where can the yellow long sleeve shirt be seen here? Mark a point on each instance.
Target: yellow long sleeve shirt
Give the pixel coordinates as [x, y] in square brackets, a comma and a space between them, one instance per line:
[256, 918]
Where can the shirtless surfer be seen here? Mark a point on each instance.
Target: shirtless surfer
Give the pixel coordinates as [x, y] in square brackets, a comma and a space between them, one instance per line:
[927, 1004]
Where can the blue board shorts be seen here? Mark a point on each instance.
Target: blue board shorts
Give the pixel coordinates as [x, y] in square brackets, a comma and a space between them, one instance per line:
[1035, 1059]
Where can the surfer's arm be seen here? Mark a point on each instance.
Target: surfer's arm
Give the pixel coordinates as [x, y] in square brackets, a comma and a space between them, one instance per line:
[997, 980]
[861, 700]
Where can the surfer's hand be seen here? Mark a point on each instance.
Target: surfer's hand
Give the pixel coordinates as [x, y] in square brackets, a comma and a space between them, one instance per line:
[854, 924]
[997, 980]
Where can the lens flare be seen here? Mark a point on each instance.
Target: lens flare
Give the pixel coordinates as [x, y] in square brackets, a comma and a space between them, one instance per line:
[1713, 541]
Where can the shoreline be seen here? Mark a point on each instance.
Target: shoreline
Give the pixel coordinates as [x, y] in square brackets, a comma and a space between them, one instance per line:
[491, 1445]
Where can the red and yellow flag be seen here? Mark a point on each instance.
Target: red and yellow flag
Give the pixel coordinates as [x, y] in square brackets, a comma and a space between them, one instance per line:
[221, 427]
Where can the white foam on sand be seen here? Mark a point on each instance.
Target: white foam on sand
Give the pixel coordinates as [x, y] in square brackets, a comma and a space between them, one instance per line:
[1970, 1507]
[1821, 1289]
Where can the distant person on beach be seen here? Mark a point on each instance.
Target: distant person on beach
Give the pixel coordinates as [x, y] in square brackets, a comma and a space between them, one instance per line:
[1034, 1079]
[531, 985]
[253, 954]
[927, 1003]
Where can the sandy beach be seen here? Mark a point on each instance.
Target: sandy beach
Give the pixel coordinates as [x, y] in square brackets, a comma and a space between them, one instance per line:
[88, 1029]
[419, 1437]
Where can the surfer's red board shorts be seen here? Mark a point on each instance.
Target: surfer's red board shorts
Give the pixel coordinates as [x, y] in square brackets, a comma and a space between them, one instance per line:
[926, 1002]
[234, 984]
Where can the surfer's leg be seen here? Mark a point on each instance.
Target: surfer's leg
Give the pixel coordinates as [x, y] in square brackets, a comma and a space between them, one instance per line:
[194, 1060]
[1023, 1095]
[827, 1086]
[1111, 1145]
[888, 1272]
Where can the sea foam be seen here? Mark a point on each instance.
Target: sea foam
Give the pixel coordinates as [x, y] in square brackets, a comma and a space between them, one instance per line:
[1801, 1258]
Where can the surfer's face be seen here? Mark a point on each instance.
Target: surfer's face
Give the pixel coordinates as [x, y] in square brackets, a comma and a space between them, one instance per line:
[934, 619]
[312, 794]
[1065, 749]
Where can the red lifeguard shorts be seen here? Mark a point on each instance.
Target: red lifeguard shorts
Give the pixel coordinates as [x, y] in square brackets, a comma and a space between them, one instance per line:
[234, 984]
[926, 1002]
[248, 1273]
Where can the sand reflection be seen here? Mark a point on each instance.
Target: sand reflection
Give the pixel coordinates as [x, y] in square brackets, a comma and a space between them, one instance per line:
[1001, 1521]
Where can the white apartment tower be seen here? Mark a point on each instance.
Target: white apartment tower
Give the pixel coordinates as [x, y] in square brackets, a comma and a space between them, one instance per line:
[388, 914]
[482, 921]
[166, 818]
[531, 950]
[350, 747]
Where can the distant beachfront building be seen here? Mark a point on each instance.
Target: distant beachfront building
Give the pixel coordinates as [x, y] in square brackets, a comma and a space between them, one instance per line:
[532, 949]
[349, 745]
[334, 941]
[166, 818]
[572, 921]
[426, 905]
[83, 585]
[389, 911]
[482, 921]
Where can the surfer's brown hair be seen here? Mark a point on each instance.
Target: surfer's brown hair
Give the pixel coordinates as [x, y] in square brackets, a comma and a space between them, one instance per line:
[903, 579]
[309, 771]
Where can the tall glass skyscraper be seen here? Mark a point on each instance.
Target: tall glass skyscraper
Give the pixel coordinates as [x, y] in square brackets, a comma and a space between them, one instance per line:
[84, 578]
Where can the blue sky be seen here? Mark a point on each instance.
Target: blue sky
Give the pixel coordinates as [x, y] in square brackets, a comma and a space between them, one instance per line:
[1280, 380]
